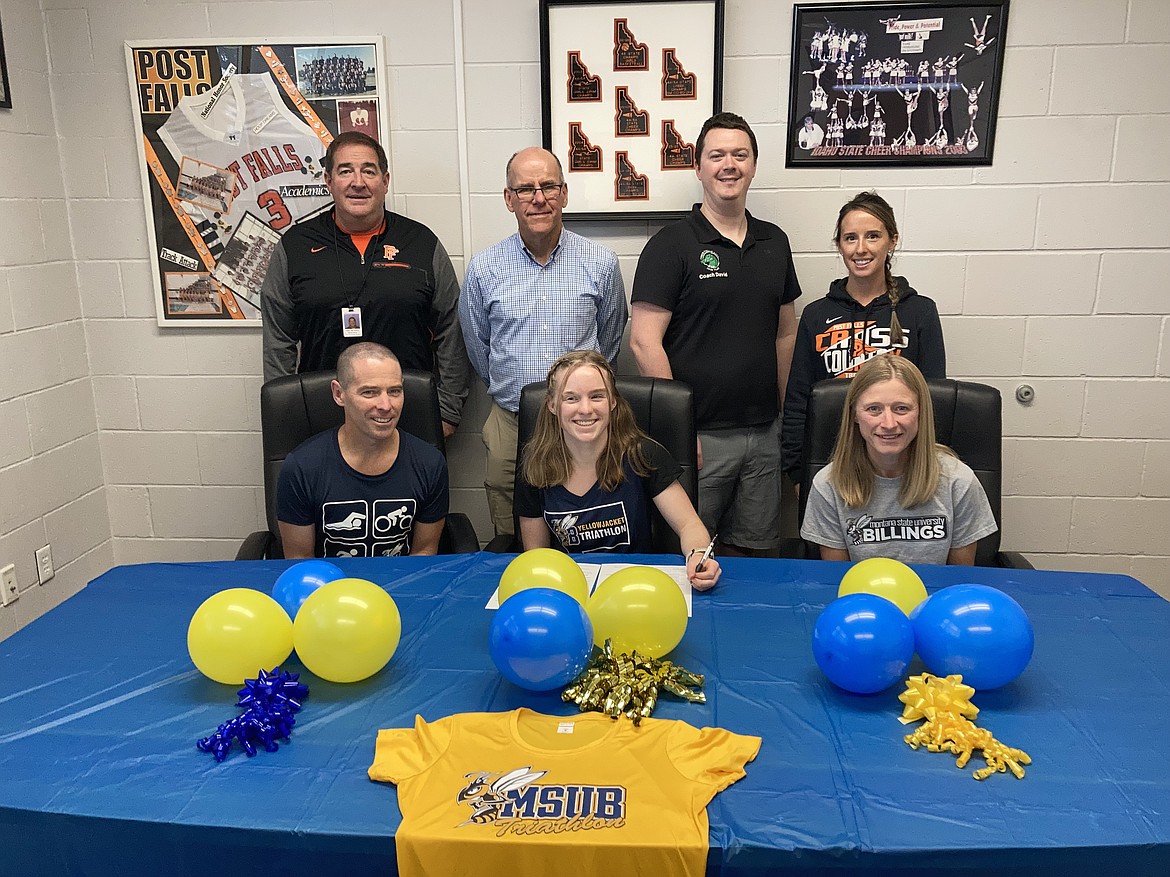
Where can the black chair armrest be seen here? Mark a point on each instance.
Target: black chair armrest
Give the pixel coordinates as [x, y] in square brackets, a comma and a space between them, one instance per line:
[256, 546]
[458, 535]
[794, 548]
[1012, 560]
[503, 544]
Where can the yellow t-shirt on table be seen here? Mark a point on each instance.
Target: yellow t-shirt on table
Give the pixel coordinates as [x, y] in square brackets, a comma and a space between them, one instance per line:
[525, 793]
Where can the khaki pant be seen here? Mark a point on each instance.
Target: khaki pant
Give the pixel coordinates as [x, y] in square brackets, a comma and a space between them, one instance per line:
[499, 437]
[739, 485]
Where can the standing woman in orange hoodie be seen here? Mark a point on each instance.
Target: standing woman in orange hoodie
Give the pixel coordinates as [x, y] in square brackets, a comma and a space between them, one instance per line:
[869, 312]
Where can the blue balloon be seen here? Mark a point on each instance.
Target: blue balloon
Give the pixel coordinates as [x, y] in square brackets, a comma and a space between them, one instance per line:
[300, 580]
[540, 639]
[863, 643]
[976, 631]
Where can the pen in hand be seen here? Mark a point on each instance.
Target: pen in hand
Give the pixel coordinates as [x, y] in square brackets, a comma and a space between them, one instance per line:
[706, 553]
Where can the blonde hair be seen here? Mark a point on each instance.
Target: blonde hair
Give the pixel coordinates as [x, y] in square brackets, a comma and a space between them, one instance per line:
[853, 472]
[546, 460]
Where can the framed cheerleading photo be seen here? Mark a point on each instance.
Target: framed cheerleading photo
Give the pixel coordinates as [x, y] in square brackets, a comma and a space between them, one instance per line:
[626, 87]
[909, 84]
[5, 90]
[232, 134]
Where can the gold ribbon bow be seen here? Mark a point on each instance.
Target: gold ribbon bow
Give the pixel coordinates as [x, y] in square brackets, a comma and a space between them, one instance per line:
[629, 683]
[926, 696]
[945, 704]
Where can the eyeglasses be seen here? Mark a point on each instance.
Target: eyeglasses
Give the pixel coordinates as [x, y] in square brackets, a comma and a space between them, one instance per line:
[528, 193]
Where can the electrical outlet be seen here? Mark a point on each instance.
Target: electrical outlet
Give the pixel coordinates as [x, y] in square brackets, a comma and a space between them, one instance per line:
[8, 591]
[44, 563]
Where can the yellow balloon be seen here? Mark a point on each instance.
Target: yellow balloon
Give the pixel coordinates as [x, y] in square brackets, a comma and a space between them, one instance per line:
[639, 608]
[238, 632]
[347, 630]
[544, 568]
[887, 578]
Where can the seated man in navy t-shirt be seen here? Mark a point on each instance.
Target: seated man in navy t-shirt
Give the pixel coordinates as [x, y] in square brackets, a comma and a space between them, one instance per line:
[365, 489]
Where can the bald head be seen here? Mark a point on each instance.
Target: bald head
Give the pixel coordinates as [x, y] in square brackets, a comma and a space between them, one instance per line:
[359, 351]
[550, 164]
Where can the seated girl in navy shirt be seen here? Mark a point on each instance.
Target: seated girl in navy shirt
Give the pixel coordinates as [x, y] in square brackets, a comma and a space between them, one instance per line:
[589, 474]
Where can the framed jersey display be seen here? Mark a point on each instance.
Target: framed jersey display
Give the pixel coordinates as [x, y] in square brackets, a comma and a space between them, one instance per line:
[232, 136]
[626, 88]
[895, 84]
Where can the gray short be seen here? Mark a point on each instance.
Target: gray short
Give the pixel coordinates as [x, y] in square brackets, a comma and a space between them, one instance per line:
[739, 485]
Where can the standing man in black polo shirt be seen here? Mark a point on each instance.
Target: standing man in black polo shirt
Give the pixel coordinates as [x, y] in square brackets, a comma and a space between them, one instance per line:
[357, 273]
[712, 306]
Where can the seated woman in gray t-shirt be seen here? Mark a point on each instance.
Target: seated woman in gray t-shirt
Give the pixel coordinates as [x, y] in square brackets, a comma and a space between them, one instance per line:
[890, 490]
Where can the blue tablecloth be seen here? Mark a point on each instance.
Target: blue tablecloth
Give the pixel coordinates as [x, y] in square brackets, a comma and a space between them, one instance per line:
[100, 708]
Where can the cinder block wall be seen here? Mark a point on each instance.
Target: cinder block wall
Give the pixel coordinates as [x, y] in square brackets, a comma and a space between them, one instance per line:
[122, 443]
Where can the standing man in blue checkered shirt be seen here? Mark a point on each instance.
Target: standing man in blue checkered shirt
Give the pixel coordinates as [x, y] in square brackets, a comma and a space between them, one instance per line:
[529, 299]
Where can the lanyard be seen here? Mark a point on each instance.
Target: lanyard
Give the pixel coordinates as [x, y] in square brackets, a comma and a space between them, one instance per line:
[351, 302]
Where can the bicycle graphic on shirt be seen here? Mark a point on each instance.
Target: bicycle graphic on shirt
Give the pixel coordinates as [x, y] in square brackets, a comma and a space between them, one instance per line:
[399, 519]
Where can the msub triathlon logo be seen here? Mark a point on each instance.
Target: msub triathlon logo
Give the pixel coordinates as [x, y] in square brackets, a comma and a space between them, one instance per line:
[710, 260]
[512, 804]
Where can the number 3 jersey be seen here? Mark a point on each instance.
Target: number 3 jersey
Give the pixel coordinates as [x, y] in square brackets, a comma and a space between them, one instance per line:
[525, 793]
[248, 154]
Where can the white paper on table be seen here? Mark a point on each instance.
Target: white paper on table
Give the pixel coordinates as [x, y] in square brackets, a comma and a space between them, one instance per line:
[591, 571]
[597, 572]
[677, 573]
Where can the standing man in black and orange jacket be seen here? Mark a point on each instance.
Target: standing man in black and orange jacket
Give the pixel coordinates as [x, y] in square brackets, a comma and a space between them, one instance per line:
[358, 272]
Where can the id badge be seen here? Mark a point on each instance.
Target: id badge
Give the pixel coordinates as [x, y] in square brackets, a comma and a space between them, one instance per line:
[351, 322]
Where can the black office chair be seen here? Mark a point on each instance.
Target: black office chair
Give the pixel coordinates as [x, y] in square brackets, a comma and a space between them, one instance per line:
[967, 418]
[296, 407]
[664, 409]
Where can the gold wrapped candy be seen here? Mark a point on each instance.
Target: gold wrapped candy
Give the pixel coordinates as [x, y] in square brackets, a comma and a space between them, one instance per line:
[628, 683]
[946, 706]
